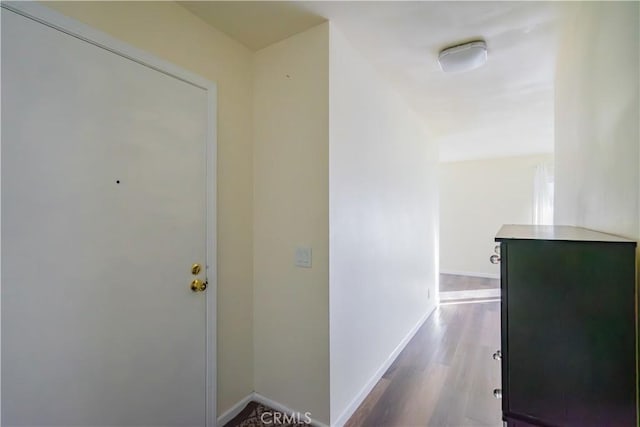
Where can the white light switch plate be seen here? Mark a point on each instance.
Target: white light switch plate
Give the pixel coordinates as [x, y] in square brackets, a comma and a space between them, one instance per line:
[303, 257]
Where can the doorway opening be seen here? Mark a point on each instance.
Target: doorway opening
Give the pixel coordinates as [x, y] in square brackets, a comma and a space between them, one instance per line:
[477, 197]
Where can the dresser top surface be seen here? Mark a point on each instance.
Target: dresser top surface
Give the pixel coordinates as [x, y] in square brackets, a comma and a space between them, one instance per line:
[556, 232]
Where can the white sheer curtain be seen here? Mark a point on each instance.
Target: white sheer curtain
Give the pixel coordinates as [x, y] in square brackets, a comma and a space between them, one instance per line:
[543, 194]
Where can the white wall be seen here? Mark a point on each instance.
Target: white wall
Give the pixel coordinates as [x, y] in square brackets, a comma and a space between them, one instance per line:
[476, 198]
[598, 118]
[383, 223]
[291, 185]
[172, 33]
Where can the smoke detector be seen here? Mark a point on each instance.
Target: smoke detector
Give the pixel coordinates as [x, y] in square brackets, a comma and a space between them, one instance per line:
[463, 57]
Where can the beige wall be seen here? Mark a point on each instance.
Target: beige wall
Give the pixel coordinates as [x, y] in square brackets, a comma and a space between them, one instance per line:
[291, 184]
[383, 224]
[476, 198]
[597, 118]
[174, 34]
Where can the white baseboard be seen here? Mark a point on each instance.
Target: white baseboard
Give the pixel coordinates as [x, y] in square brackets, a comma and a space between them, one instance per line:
[468, 273]
[230, 413]
[257, 397]
[355, 403]
[364, 392]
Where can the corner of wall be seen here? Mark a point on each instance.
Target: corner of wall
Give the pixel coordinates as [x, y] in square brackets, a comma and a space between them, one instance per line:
[291, 145]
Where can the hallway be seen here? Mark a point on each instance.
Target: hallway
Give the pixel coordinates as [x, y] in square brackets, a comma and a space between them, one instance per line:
[444, 377]
[295, 204]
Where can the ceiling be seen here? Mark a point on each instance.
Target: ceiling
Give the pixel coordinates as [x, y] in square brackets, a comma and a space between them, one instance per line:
[504, 108]
[256, 24]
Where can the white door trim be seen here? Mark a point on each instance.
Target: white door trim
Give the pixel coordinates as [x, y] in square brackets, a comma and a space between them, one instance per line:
[53, 19]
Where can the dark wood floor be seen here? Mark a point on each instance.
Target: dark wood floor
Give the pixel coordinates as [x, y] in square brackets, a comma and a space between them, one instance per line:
[444, 377]
[454, 282]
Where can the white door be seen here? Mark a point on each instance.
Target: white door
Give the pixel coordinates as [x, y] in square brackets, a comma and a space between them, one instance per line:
[103, 215]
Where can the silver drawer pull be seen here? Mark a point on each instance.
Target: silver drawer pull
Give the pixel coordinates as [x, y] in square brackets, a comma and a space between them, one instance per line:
[497, 393]
[497, 355]
[495, 259]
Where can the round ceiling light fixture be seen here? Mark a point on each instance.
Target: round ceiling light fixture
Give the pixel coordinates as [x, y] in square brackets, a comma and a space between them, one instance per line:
[463, 57]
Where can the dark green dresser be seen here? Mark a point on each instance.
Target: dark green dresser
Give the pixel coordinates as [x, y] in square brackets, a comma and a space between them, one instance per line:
[569, 334]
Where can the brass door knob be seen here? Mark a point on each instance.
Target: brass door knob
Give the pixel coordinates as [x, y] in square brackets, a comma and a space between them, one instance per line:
[198, 285]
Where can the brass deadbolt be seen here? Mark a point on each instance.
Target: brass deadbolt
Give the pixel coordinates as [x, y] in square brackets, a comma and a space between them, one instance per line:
[195, 269]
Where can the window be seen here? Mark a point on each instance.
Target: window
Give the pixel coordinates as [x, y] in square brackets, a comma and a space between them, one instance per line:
[543, 194]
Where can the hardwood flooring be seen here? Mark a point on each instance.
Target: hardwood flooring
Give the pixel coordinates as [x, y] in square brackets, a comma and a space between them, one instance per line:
[454, 282]
[444, 377]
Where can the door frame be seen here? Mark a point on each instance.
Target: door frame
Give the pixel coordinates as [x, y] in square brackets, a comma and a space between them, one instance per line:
[72, 27]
